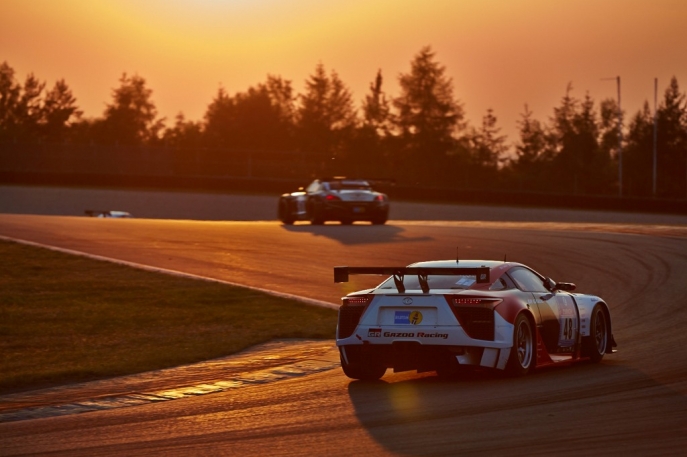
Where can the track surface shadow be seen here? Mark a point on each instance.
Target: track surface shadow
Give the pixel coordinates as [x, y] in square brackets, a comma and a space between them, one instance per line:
[412, 409]
[358, 233]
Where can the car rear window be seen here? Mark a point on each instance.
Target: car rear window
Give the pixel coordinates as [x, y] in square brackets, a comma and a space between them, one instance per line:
[349, 185]
[434, 282]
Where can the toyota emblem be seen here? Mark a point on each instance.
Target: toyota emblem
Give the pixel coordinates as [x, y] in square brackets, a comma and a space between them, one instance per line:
[407, 301]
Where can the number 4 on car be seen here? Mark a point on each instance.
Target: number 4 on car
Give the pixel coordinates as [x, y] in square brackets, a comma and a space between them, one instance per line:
[444, 315]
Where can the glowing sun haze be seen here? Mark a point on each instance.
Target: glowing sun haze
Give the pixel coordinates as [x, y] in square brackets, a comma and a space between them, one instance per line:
[500, 54]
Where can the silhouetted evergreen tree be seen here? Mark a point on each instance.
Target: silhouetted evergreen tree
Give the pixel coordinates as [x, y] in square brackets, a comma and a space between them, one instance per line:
[533, 154]
[376, 109]
[282, 99]
[59, 112]
[579, 164]
[20, 105]
[261, 118]
[427, 116]
[29, 115]
[566, 164]
[487, 146]
[184, 133]
[10, 93]
[185, 140]
[29, 110]
[369, 151]
[672, 143]
[606, 163]
[326, 119]
[638, 155]
[219, 114]
[131, 118]
[264, 116]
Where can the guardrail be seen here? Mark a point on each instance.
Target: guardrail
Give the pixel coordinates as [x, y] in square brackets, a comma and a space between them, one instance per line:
[266, 172]
[277, 186]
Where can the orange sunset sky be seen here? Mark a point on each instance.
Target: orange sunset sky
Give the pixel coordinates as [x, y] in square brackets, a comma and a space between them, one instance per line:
[500, 54]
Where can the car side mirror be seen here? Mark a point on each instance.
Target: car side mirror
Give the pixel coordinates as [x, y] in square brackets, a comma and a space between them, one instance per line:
[566, 286]
[550, 284]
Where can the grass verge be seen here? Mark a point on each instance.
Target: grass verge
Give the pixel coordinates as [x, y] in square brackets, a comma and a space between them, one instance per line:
[66, 319]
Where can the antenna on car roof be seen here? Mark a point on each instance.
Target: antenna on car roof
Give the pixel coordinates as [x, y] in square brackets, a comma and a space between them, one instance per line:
[504, 258]
[457, 259]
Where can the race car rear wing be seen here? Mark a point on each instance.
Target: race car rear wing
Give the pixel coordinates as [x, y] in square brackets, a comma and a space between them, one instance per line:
[481, 274]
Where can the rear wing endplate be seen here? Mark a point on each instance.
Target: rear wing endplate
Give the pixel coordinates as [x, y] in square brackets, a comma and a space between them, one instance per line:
[481, 274]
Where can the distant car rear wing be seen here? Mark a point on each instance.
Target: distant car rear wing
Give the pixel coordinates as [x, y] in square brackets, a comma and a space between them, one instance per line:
[372, 182]
[481, 274]
[381, 182]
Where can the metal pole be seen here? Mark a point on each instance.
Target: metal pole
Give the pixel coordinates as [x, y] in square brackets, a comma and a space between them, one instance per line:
[653, 189]
[620, 138]
[620, 144]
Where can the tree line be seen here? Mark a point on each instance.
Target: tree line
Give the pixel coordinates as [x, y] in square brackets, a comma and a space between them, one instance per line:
[419, 137]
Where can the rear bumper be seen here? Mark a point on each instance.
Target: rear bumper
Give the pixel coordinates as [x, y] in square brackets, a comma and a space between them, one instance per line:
[296, 209]
[356, 211]
[406, 356]
[426, 348]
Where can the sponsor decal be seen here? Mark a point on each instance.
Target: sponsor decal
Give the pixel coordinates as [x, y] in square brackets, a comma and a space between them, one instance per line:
[401, 317]
[565, 307]
[415, 317]
[399, 334]
[465, 281]
[443, 336]
[374, 333]
[407, 317]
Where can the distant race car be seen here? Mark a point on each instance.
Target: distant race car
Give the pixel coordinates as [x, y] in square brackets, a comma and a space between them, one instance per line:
[444, 315]
[334, 199]
[100, 213]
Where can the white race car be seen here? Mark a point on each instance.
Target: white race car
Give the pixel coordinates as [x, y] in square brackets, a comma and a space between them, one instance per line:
[335, 199]
[100, 213]
[443, 315]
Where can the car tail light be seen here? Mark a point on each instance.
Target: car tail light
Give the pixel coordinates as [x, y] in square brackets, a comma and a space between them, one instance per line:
[475, 315]
[350, 312]
[332, 198]
[359, 300]
[467, 301]
[475, 301]
[380, 198]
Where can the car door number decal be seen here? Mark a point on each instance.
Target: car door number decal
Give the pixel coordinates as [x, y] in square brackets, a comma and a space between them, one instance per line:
[567, 319]
[567, 332]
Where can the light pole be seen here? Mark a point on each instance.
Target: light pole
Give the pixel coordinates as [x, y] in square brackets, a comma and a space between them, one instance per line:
[620, 139]
[653, 189]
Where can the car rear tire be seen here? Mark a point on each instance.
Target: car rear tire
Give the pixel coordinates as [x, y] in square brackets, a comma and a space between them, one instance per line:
[316, 214]
[379, 221]
[360, 368]
[285, 213]
[522, 357]
[598, 340]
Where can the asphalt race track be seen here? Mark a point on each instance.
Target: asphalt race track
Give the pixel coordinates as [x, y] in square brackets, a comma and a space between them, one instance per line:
[632, 403]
